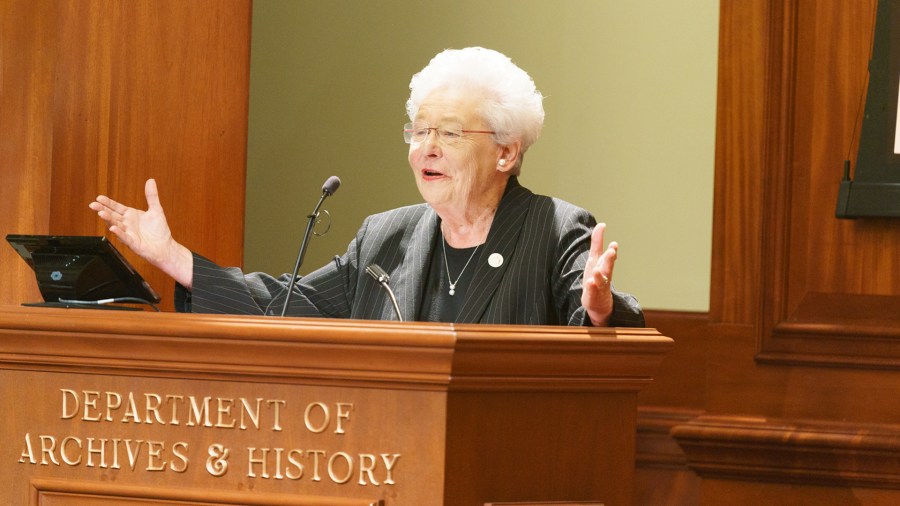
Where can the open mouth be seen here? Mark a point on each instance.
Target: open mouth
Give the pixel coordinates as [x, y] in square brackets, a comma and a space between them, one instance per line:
[430, 173]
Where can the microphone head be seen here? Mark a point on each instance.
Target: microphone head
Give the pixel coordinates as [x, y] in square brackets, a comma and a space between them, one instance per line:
[377, 273]
[331, 185]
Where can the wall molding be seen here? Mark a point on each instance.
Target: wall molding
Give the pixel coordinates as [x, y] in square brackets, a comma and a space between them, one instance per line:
[806, 452]
[656, 448]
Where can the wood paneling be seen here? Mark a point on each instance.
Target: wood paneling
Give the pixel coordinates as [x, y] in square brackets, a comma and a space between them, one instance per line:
[743, 39]
[799, 357]
[676, 396]
[718, 492]
[662, 476]
[673, 386]
[788, 276]
[832, 286]
[105, 94]
[27, 52]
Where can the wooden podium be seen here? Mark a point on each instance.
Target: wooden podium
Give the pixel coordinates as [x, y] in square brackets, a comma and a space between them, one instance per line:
[138, 408]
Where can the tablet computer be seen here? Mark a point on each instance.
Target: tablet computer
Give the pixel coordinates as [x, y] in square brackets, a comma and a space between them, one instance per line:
[80, 268]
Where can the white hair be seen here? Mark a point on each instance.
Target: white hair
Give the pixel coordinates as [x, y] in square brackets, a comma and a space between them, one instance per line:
[513, 106]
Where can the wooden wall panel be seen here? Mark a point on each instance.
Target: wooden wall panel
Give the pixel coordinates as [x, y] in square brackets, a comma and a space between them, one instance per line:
[832, 286]
[677, 395]
[673, 386]
[732, 492]
[791, 77]
[27, 51]
[799, 357]
[140, 89]
[743, 30]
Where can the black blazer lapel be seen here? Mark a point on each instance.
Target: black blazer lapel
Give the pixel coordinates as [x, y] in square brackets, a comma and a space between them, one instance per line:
[408, 280]
[502, 240]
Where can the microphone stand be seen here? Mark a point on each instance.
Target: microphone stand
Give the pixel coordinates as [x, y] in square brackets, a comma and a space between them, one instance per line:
[383, 279]
[309, 226]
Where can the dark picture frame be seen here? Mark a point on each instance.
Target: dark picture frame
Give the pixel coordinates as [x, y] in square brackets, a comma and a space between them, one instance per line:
[875, 189]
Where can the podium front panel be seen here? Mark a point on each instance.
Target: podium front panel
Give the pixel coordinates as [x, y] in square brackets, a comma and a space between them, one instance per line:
[139, 408]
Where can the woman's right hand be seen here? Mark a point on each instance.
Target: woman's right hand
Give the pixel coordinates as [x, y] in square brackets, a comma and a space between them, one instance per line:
[147, 233]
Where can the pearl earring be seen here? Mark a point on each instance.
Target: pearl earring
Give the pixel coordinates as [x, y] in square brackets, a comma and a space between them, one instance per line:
[502, 162]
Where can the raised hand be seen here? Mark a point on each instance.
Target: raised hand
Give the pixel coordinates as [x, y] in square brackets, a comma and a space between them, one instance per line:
[147, 233]
[596, 293]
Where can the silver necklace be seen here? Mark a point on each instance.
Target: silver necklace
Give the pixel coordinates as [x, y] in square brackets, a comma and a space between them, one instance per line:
[447, 265]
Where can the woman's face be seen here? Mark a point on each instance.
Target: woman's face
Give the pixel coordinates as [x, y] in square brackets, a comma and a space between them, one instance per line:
[461, 175]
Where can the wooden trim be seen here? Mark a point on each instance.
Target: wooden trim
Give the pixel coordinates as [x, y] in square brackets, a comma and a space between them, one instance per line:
[837, 330]
[655, 445]
[346, 352]
[544, 503]
[92, 491]
[807, 452]
[659, 318]
[779, 141]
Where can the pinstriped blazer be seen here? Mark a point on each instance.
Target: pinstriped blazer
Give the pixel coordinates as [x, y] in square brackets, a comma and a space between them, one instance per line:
[544, 243]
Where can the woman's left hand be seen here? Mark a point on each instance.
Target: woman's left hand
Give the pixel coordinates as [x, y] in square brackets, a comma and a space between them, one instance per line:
[596, 294]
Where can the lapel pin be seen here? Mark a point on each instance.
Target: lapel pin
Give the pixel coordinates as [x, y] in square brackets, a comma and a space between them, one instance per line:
[495, 260]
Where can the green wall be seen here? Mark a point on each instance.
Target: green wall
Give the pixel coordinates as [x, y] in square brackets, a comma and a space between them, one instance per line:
[630, 91]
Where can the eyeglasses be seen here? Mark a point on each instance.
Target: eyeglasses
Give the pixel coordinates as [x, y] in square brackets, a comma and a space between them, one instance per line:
[449, 133]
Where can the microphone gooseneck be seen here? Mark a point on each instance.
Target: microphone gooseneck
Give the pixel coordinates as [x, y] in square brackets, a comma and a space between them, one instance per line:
[331, 185]
[382, 277]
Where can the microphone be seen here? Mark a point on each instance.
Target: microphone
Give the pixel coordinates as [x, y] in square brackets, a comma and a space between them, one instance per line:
[331, 185]
[382, 278]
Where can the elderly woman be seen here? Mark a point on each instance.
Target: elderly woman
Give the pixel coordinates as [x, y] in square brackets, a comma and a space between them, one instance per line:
[481, 249]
